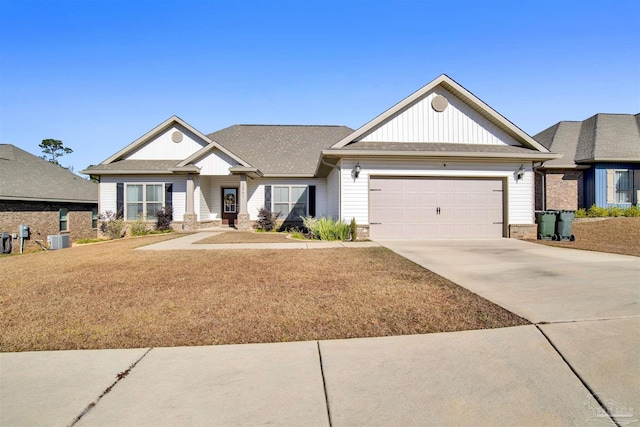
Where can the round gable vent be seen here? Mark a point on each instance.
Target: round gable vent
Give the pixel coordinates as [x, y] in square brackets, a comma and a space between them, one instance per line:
[176, 136]
[439, 103]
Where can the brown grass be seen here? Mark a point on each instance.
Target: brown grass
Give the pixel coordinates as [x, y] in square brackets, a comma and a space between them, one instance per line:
[111, 296]
[248, 237]
[613, 235]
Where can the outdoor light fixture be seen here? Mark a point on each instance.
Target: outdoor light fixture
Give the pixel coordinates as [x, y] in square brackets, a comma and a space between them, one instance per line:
[357, 170]
[520, 173]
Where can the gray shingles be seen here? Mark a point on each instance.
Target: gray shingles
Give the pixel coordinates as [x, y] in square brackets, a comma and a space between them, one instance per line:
[136, 165]
[27, 177]
[436, 147]
[601, 137]
[280, 149]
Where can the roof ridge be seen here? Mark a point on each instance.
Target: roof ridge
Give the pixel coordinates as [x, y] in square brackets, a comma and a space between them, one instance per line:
[274, 125]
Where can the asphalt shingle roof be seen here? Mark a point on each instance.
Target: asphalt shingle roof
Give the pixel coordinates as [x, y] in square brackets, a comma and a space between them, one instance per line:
[136, 165]
[436, 147]
[280, 149]
[24, 176]
[602, 137]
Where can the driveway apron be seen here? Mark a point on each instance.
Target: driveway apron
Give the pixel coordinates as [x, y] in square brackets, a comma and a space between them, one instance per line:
[587, 304]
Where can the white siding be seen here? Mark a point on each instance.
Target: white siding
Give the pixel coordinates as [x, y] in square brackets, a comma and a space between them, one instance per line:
[256, 193]
[163, 148]
[205, 199]
[355, 192]
[216, 163]
[333, 194]
[217, 184]
[108, 197]
[458, 123]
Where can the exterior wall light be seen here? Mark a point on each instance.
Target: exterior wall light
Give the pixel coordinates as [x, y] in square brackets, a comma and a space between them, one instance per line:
[357, 170]
[520, 173]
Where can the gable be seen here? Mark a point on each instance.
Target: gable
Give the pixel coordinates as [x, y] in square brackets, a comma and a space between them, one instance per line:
[457, 124]
[163, 146]
[215, 163]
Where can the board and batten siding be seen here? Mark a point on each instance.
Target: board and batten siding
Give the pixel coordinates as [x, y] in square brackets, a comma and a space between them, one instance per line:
[215, 163]
[217, 184]
[600, 184]
[355, 192]
[108, 191]
[458, 123]
[255, 189]
[333, 194]
[162, 146]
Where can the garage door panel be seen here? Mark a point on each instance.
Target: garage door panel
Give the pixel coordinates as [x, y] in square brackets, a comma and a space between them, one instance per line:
[407, 208]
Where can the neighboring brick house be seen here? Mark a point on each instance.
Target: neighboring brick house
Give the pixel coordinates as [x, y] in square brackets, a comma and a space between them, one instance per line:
[600, 163]
[49, 199]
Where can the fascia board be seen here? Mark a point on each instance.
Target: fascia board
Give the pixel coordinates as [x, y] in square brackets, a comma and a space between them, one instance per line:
[42, 199]
[440, 154]
[578, 167]
[609, 160]
[134, 172]
[466, 96]
[290, 175]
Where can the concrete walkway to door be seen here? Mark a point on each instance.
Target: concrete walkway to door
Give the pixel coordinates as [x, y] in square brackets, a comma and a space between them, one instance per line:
[587, 304]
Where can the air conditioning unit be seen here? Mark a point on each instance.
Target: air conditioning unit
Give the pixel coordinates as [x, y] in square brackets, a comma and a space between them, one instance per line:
[58, 241]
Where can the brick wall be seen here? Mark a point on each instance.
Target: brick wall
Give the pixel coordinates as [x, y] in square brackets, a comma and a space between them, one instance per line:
[564, 189]
[43, 220]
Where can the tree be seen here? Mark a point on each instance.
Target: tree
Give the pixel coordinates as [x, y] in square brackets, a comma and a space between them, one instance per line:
[53, 149]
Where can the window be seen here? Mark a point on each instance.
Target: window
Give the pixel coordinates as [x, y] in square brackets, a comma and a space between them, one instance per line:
[64, 219]
[143, 199]
[94, 218]
[623, 186]
[290, 201]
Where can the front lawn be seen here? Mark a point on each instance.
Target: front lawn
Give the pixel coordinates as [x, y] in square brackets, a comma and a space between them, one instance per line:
[613, 235]
[110, 296]
[248, 237]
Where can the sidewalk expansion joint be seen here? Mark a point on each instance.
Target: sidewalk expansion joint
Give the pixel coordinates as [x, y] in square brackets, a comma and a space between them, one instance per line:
[599, 319]
[324, 384]
[584, 383]
[119, 378]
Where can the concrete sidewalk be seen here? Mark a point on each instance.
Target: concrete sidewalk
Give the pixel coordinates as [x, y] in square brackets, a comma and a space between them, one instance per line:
[188, 243]
[509, 376]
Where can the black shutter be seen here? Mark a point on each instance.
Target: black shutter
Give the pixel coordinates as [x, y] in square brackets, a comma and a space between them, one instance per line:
[168, 195]
[120, 199]
[312, 200]
[267, 197]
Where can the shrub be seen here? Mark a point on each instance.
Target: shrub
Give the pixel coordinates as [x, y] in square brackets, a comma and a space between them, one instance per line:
[327, 228]
[632, 211]
[163, 219]
[139, 227]
[112, 225]
[615, 211]
[581, 213]
[597, 212]
[353, 228]
[297, 234]
[266, 220]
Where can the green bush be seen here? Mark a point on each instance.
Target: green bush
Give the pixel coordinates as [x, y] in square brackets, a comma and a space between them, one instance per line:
[581, 213]
[615, 211]
[327, 228]
[112, 225]
[353, 228]
[632, 211]
[597, 212]
[139, 227]
[297, 234]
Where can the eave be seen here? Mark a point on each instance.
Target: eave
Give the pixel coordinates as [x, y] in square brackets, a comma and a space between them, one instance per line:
[537, 156]
[44, 199]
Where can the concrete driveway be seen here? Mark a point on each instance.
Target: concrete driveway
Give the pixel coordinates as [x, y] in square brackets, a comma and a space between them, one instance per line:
[586, 304]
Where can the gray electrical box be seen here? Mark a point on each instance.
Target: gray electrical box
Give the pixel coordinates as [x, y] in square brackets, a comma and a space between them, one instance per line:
[24, 231]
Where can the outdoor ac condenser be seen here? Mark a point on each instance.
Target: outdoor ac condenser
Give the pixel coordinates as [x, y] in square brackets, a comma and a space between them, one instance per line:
[58, 241]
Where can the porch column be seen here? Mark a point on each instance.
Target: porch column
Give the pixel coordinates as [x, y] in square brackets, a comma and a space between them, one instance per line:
[243, 215]
[190, 217]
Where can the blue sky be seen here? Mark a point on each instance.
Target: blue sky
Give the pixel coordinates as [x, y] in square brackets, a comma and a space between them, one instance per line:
[99, 74]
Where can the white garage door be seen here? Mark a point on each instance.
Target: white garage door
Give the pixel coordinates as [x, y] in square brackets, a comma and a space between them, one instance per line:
[435, 208]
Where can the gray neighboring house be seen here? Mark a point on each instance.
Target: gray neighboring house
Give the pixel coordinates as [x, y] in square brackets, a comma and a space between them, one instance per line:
[600, 163]
[49, 199]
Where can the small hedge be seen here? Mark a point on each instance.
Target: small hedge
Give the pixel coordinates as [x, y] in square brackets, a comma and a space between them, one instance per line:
[613, 211]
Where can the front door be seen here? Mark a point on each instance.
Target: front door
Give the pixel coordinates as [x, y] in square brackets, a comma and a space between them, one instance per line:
[229, 206]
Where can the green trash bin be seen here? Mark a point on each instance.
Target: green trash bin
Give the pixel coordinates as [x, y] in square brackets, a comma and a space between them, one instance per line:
[564, 225]
[546, 221]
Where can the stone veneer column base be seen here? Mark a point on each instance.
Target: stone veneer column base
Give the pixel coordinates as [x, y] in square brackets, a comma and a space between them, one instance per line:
[523, 231]
[244, 223]
[190, 222]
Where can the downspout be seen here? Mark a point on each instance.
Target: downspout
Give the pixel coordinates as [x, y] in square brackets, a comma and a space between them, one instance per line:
[543, 186]
[339, 185]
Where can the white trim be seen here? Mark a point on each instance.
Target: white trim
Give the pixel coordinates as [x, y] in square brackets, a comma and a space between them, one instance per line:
[144, 199]
[290, 202]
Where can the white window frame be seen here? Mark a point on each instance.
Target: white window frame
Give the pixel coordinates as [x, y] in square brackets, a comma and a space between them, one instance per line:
[629, 191]
[144, 201]
[291, 203]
